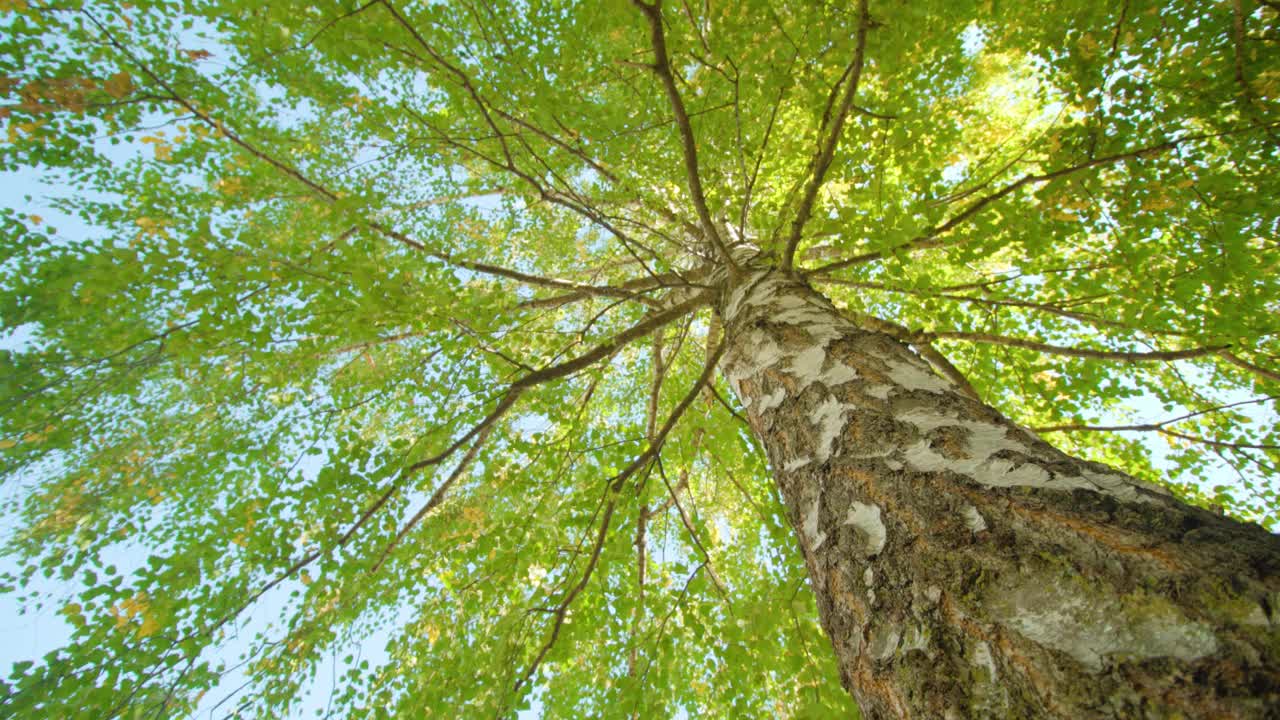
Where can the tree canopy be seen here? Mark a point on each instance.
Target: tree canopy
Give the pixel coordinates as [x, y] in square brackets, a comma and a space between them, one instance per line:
[366, 352]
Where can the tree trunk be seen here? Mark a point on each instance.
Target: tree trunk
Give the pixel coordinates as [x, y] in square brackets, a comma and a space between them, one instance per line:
[965, 568]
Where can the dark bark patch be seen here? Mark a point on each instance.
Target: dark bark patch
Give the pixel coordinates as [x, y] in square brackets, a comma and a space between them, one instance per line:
[951, 441]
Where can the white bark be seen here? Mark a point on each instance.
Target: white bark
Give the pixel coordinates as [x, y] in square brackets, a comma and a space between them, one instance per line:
[965, 568]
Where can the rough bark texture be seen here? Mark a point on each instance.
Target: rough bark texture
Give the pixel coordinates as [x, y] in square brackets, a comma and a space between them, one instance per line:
[966, 569]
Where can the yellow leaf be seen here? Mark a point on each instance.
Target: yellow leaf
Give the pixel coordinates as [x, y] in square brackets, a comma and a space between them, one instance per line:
[306, 578]
[6, 444]
[1268, 83]
[118, 85]
[229, 186]
[163, 150]
[36, 219]
[150, 226]
[129, 609]
[149, 626]
[11, 5]
[135, 604]
[1088, 46]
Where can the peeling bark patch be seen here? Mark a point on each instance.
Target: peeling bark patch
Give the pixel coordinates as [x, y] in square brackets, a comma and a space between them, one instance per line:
[879, 392]
[973, 519]
[1113, 479]
[866, 520]
[1256, 617]
[758, 353]
[982, 658]
[838, 374]
[828, 418]
[984, 469]
[809, 366]
[750, 292]
[884, 641]
[797, 463]
[872, 370]
[782, 333]
[1093, 626]
[808, 363]
[816, 321]
[988, 446]
[917, 376]
[771, 400]
[811, 530]
[913, 639]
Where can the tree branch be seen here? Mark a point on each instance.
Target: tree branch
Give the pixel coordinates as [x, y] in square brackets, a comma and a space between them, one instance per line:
[615, 485]
[437, 497]
[932, 237]
[329, 196]
[1120, 355]
[662, 67]
[638, 285]
[1050, 308]
[508, 164]
[821, 161]
[483, 428]
[555, 372]
[1157, 425]
[922, 345]
[1271, 375]
[1162, 427]
[688, 526]
[582, 289]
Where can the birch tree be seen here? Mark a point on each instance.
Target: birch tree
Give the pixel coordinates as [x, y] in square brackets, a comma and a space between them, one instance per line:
[719, 359]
